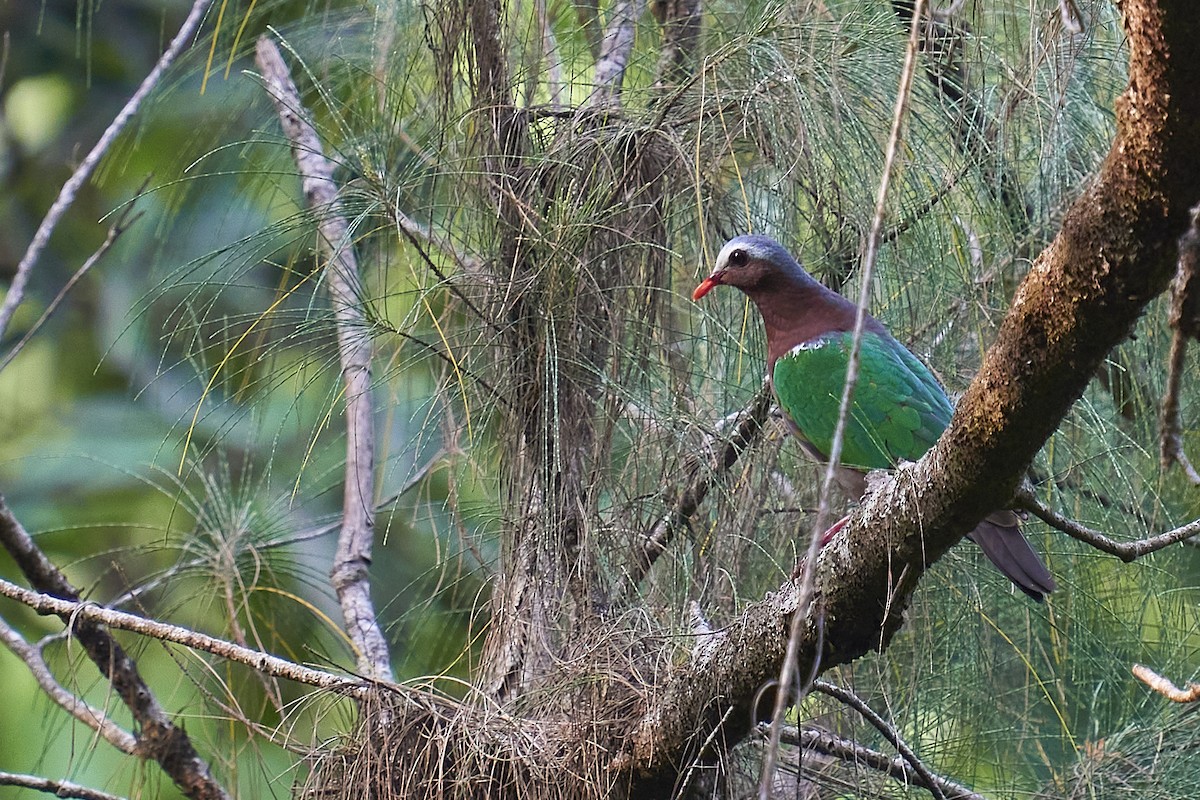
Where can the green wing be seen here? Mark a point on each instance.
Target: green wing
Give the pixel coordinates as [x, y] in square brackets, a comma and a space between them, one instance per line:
[899, 408]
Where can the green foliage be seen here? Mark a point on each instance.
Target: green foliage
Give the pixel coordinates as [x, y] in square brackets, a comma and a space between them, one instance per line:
[174, 435]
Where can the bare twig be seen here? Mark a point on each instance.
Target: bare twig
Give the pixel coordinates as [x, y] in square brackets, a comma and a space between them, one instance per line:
[416, 233]
[69, 190]
[849, 698]
[350, 573]
[830, 744]
[89, 715]
[158, 738]
[615, 49]
[808, 576]
[56, 788]
[1126, 551]
[753, 417]
[1185, 320]
[1165, 687]
[124, 220]
[79, 615]
[1170, 445]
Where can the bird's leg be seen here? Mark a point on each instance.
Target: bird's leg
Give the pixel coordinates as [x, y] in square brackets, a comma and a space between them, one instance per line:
[834, 529]
[826, 538]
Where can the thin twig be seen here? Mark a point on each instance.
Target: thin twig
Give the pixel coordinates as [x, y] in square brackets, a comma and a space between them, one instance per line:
[77, 613]
[1165, 687]
[849, 751]
[747, 431]
[414, 231]
[849, 698]
[808, 576]
[89, 715]
[69, 190]
[158, 738]
[56, 788]
[350, 574]
[1126, 551]
[122, 223]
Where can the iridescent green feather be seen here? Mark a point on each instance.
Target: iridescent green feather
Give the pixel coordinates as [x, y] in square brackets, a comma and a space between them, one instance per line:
[899, 408]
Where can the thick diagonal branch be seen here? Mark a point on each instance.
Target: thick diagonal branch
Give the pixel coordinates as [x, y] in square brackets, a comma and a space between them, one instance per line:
[745, 433]
[350, 574]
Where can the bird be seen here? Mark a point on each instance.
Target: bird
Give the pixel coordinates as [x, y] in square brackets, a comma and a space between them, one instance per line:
[899, 408]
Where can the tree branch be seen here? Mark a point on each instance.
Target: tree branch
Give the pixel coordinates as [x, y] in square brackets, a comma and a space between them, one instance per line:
[851, 752]
[1126, 551]
[89, 715]
[350, 573]
[159, 738]
[82, 616]
[56, 788]
[69, 190]
[747, 431]
[1165, 687]
[122, 223]
[615, 49]
[927, 778]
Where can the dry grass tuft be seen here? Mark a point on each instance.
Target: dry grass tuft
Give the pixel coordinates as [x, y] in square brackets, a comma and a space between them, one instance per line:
[554, 743]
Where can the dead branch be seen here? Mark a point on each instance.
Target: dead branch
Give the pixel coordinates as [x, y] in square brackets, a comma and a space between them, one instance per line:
[1165, 687]
[615, 50]
[1184, 318]
[1126, 551]
[849, 698]
[89, 715]
[744, 435]
[70, 189]
[56, 788]
[350, 573]
[158, 738]
[851, 752]
[83, 617]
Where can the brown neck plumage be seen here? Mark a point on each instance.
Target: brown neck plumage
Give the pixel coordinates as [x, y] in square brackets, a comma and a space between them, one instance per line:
[799, 312]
